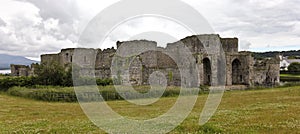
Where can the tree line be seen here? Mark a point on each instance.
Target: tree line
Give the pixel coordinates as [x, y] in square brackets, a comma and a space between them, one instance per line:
[262, 55]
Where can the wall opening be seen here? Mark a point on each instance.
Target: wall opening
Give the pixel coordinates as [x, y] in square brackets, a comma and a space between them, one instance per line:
[207, 72]
[237, 73]
[84, 59]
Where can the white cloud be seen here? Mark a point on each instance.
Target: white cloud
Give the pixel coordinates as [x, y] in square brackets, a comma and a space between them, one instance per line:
[27, 33]
[33, 27]
[261, 23]
[266, 4]
[142, 28]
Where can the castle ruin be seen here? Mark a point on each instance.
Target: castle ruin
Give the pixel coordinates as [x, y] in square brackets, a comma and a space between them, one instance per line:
[241, 67]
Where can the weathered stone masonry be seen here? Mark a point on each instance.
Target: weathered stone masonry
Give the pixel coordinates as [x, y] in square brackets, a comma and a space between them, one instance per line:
[22, 70]
[241, 67]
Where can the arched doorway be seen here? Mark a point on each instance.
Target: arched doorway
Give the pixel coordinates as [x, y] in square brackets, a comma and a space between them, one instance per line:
[237, 73]
[206, 71]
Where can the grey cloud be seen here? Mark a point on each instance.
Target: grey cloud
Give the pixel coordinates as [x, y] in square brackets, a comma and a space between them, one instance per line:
[32, 40]
[244, 45]
[242, 18]
[64, 10]
[30, 48]
[250, 18]
[2, 23]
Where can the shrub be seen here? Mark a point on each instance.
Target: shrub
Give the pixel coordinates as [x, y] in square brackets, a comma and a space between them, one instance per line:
[294, 67]
[9, 82]
[51, 74]
[56, 75]
[67, 94]
[104, 82]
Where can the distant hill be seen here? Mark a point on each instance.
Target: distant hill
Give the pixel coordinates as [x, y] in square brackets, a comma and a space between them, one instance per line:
[6, 60]
[259, 55]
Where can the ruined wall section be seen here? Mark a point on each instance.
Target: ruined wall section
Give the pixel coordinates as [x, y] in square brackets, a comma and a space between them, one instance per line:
[244, 70]
[142, 65]
[266, 72]
[169, 61]
[201, 44]
[192, 42]
[104, 62]
[230, 45]
[63, 58]
[201, 47]
[82, 59]
[212, 51]
[135, 60]
[66, 56]
[20, 70]
[49, 58]
[136, 71]
[33, 69]
[166, 65]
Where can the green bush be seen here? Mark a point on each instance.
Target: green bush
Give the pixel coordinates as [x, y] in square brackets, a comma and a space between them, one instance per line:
[51, 74]
[45, 75]
[9, 82]
[104, 82]
[294, 67]
[109, 93]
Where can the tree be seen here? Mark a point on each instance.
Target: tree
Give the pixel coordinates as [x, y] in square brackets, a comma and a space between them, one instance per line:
[294, 67]
[50, 74]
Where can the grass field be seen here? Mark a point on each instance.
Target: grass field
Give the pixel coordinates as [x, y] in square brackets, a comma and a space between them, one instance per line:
[257, 111]
[290, 75]
[3, 76]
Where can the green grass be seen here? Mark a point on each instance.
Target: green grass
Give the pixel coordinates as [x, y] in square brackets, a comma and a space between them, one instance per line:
[290, 75]
[3, 76]
[254, 111]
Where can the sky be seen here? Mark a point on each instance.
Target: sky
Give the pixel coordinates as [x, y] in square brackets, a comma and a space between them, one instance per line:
[33, 27]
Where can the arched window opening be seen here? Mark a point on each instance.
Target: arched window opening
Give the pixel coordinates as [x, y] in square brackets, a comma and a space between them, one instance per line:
[237, 73]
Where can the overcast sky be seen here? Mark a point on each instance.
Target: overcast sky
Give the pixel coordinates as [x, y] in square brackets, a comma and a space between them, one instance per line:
[33, 27]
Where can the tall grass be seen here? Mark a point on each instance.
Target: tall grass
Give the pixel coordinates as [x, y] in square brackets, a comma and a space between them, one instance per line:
[109, 93]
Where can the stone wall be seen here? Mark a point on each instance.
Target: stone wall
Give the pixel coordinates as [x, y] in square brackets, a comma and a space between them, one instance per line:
[230, 45]
[238, 68]
[138, 59]
[265, 72]
[47, 58]
[22, 70]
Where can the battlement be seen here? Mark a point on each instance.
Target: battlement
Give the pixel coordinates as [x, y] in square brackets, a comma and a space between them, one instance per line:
[108, 50]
